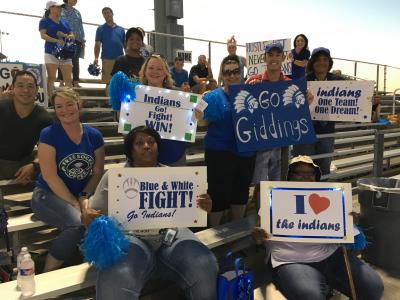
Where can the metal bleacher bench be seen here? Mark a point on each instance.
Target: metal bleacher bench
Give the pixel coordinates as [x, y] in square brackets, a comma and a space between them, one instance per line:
[75, 278]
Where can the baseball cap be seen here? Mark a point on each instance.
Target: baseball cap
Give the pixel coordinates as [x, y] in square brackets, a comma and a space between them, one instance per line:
[133, 30]
[272, 46]
[321, 50]
[54, 3]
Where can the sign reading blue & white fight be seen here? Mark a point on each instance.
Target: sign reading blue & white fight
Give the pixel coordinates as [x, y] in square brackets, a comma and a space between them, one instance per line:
[272, 114]
[343, 100]
[315, 212]
[153, 198]
[168, 112]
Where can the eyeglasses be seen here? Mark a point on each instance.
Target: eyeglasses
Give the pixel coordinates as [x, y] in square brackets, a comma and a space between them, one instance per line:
[231, 72]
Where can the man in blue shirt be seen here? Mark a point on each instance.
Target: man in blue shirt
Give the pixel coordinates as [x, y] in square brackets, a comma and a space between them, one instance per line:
[180, 75]
[110, 37]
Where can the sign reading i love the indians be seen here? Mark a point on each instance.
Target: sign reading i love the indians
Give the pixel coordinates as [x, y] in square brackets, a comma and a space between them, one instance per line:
[307, 211]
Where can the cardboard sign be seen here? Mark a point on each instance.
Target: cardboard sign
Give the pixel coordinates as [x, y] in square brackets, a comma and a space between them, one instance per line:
[153, 198]
[8, 69]
[168, 112]
[272, 114]
[307, 211]
[255, 56]
[344, 100]
[185, 55]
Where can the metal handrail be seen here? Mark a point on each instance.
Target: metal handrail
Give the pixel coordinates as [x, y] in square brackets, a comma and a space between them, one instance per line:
[394, 100]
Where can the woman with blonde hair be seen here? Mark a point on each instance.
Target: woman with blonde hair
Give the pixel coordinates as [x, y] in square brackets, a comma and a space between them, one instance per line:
[71, 157]
[155, 73]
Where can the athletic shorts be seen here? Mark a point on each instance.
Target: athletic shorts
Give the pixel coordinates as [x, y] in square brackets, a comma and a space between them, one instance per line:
[51, 59]
[229, 177]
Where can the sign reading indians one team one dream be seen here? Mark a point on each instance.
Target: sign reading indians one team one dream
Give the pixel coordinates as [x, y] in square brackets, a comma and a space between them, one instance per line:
[152, 198]
[168, 112]
[316, 212]
[255, 56]
[272, 114]
[344, 100]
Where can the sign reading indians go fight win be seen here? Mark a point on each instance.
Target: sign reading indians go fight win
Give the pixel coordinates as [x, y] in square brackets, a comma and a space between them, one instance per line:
[307, 212]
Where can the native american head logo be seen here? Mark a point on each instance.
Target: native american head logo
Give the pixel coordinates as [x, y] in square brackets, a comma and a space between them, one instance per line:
[245, 101]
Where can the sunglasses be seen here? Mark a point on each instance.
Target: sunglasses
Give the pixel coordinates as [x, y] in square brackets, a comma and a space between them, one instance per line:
[231, 72]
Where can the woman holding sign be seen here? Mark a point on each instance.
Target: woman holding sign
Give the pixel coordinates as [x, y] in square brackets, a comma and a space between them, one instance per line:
[181, 258]
[229, 172]
[307, 270]
[155, 73]
[71, 157]
[318, 70]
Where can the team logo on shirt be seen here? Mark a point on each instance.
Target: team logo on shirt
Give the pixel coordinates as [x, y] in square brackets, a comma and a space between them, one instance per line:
[77, 166]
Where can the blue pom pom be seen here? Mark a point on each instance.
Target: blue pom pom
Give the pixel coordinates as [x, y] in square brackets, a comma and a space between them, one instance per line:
[121, 90]
[104, 243]
[215, 109]
[94, 70]
[360, 241]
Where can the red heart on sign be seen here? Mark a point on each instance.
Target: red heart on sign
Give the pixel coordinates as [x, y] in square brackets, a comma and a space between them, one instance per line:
[318, 204]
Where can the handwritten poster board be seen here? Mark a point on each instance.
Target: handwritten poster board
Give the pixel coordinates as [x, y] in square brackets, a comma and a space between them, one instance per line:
[168, 112]
[344, 100]
[153, 198]
[272, 114]
[185, 55]
[255, 56]
[307, 212]
[8, 69]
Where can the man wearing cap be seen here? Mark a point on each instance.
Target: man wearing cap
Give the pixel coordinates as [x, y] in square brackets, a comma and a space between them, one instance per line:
[318, 69]
[110, 37]
[132, 61]
[309, 270]
[268, 162]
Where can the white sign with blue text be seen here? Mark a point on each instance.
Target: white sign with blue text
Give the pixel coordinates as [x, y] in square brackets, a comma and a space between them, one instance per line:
[169, 112]
[8, 69]
[342, 100]
[271, 114]
[255, 56]
[313, 212]
[153, 198]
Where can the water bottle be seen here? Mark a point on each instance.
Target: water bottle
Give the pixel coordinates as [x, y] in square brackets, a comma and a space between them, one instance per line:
[27, 275]
[24, 250]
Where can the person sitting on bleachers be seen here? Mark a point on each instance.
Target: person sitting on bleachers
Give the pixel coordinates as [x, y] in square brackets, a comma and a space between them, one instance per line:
[71, 157]
[307, 270]
[21, 121]
[187, 261]
[201, 76]
[180, 75]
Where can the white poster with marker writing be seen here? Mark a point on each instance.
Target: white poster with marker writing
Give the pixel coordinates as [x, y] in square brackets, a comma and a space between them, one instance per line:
[154, 198]
[255, 56]
[169, 112]
[316, 212]
[343, 100]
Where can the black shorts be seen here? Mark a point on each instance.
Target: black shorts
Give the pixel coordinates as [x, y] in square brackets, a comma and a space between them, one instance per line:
[229, 177]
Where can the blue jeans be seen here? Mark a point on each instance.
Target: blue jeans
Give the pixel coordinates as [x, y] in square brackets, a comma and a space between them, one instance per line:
[312, 281]
[187, 262]
[267, 165]
[56, 212]
[322, 146]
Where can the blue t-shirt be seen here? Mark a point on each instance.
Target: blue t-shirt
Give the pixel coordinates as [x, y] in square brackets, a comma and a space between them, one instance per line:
[220, 133]
[112, 41]
[171, 151]
[74, 162]
[180, 77]
[297, 71]
[51, 29]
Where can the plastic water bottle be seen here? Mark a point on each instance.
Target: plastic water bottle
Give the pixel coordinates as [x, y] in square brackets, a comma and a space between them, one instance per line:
[27, 275]
[24, 250]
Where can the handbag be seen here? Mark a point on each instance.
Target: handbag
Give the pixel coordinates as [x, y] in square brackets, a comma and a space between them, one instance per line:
[234, 281]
